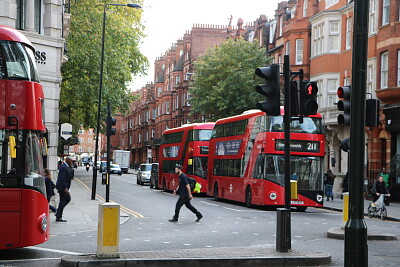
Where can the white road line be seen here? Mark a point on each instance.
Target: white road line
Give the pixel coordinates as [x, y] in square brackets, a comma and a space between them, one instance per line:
[41, 259]
[55, 250]
[187, 244]
[208, 203]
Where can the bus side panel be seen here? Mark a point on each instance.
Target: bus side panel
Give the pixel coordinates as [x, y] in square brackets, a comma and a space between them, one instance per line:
[34, 208]
[10, 218]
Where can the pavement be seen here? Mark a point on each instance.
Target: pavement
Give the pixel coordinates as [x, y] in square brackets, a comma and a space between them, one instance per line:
[81, 215]
[393, 210]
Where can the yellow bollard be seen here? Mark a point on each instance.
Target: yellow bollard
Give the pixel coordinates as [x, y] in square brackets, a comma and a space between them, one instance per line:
[345, 207]
[293, 189]
[108, 231]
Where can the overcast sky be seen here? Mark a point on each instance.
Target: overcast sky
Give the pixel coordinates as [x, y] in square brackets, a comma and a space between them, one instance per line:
[167, 20]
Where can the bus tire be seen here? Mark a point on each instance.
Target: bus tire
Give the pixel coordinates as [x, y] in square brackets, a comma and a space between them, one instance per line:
[164, 186]
[248, 197]
[216, 192]
[301, 208]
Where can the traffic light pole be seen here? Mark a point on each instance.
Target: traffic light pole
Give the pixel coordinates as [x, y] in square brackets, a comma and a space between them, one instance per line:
[356, 247]
[108, 153]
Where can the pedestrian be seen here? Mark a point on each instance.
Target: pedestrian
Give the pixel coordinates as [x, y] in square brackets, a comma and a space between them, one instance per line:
[377, 189]
[185, 195]
[329, 180]
[49, 188]
[63, 185]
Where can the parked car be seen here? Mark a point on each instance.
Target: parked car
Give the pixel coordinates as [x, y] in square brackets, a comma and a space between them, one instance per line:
[143, 175]
[115, 168]
[154, 176]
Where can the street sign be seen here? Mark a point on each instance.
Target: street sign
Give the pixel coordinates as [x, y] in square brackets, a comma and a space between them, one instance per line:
[66, 131]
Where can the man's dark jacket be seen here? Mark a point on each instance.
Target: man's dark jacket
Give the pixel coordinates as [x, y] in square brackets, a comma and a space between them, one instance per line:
[65, 174]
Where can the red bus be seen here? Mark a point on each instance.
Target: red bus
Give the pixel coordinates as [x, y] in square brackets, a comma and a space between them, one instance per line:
[187, 146]
[246, 160]
[24, 211]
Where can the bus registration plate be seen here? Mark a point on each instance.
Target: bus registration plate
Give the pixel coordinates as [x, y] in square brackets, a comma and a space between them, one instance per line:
[297, 202]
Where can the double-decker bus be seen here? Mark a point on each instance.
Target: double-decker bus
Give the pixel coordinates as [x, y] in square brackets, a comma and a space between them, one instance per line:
[24, 211]
[188, 146]
[246, 160]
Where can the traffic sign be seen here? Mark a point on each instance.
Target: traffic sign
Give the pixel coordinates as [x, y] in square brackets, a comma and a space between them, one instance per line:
[66, 131]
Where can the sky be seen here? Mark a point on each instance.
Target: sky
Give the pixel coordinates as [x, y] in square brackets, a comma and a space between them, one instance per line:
[167, 20]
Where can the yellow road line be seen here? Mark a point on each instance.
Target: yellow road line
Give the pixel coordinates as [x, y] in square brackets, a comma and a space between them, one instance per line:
[123, 208]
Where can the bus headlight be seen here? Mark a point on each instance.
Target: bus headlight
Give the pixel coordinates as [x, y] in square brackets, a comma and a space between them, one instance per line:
[319, 198]
[43, 223]
[273, 195]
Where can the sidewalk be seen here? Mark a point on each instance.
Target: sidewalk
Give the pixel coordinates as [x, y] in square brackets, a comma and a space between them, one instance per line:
[243, 256]
[81, 213]
[393, 209]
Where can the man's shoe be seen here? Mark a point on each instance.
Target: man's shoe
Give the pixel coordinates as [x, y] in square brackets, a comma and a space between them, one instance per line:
[173, 220]
[61, 220]
[199, 218]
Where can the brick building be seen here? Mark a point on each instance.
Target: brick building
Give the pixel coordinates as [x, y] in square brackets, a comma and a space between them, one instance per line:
[86, 144]
[164, 102]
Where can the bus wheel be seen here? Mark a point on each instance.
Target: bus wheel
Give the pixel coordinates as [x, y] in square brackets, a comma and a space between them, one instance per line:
[301, 208]
[216, 192]
[164, 186]
[248, 197]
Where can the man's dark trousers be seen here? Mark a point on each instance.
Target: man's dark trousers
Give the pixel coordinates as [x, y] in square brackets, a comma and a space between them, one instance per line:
[65, 198]
[185, 201]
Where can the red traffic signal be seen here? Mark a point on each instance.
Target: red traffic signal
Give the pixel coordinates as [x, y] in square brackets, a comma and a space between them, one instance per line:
[344, 93]
[308, 98]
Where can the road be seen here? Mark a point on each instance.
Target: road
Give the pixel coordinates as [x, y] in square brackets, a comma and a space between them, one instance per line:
[225, 224]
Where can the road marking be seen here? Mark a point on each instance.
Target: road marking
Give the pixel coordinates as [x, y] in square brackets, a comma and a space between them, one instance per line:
[167, 242]
[41, 259]
[208, 246]
[146, 240]
[55, 250]
[208, 203]
[187, 244]
[123, 208]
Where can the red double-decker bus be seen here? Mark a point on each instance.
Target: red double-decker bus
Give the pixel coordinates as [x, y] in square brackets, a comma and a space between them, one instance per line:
[246, 160]
[187, 146]
[24, 210]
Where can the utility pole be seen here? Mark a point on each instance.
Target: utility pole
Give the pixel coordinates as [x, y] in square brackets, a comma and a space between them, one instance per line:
[356, 247]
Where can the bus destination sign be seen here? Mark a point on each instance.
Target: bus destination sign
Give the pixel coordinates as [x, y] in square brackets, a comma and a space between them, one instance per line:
[298, 145]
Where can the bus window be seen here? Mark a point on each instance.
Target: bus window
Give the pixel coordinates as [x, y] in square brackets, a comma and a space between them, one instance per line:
[34, 164]
[310, 125]
[169, 165]
[8, 173]
[198, 167]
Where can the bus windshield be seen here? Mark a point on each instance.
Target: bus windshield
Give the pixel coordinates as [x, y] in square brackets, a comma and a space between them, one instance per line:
[306, 170]
[310, 125]
[200, 135]
[18, 62]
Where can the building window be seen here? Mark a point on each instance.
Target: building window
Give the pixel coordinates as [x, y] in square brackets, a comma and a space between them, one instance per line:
[123, 141]
[287, 48]
[370, 78]
[152, 133]
[159, 91]
[130, 140]
[348, 33]
[188, 96]
[305, 6]
[167, 111]
[140, 137]
[334, 36]
[330, 3]
[177, 79]
[385, 12]
[319, 39]
[90, 132]
[38, 15]
[372, 17]
[154, 113]
[398, 68]
[177, 102]
[20, 22]
[384, 70]
[81, 131]
[280, 25]
[332, 92]
[299, 51]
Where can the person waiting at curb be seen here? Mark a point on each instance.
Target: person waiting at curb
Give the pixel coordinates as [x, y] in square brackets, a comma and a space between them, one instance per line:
[185, 195]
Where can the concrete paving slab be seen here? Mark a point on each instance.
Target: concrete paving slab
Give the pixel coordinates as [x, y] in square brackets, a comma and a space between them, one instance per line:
[338, 233]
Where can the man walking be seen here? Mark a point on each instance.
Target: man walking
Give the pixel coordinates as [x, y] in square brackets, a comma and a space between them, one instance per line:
[63, 184]
[185, 195]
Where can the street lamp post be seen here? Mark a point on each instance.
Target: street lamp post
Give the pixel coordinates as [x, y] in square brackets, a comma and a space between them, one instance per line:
[94, 182]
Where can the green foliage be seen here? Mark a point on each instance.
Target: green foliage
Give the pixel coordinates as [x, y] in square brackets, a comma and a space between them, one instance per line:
[224, 80]
[122, 59]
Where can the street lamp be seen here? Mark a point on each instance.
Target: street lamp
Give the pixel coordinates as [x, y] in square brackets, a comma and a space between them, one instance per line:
[132, 5]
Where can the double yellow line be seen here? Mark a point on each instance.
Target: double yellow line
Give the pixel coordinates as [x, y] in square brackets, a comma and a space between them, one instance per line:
[123, 208]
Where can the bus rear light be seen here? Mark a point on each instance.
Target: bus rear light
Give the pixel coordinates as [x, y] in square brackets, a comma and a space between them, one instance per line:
[319, 198]
[273, 195]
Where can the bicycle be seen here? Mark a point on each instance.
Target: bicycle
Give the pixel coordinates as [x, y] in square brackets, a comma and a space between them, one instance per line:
[379, 210]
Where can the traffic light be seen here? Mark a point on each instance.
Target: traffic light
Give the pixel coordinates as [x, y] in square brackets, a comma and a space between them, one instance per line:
[372, 112]
[271, 90]
[308, 104]
[111, 121]
[344, 93]
[294, 98]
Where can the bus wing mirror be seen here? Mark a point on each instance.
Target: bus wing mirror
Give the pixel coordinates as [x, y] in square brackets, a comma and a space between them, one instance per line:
[13, 146]
[45, 149]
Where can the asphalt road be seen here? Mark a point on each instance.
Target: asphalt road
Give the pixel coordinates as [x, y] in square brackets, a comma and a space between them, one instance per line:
[225, 224]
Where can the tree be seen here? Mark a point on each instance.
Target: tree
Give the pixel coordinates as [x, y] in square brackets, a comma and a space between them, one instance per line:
[122, 60]
[224, 80]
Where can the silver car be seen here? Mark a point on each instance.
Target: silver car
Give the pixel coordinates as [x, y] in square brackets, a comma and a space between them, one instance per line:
[144, 173]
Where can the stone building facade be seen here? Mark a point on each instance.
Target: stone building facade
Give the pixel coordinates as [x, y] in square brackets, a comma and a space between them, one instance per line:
[42, 21]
